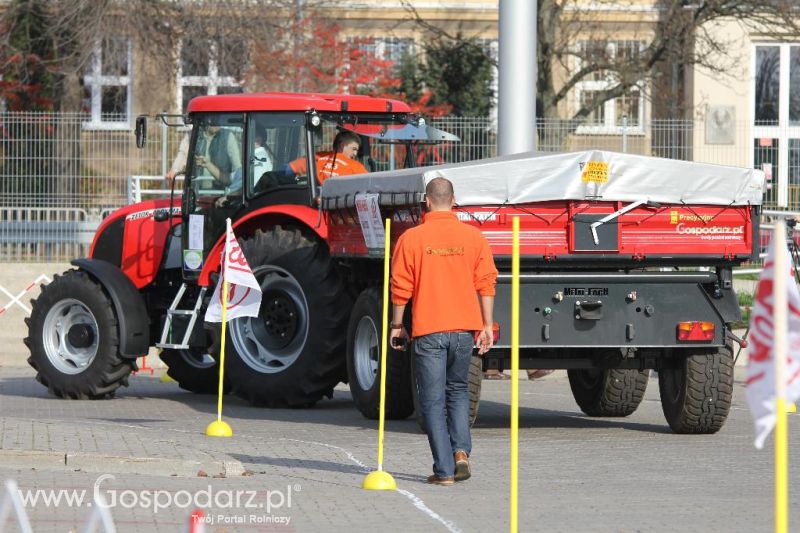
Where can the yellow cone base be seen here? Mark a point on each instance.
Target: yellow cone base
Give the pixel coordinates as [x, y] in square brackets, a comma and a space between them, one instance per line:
[379, 480]
[166, 379]
[218, 428]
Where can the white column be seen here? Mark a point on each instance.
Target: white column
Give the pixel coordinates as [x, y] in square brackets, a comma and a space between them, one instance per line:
[517, 83]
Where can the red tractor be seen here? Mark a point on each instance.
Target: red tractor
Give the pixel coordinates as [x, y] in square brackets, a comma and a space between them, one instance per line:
[152, 265]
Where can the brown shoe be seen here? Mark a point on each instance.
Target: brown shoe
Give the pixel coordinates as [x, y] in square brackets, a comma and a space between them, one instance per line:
[462, 466]
[436, 480]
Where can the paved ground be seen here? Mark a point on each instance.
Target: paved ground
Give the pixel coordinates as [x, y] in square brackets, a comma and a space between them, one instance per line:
[306, 466]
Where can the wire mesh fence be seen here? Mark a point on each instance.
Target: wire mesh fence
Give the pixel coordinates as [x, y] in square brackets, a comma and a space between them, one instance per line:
[60, 175]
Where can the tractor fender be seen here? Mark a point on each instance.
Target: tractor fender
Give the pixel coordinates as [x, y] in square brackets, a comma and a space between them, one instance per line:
[247, 225]
[132, 317]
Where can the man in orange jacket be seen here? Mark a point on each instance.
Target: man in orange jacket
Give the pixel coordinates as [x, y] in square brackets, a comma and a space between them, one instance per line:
[446, 269]
[340, 162]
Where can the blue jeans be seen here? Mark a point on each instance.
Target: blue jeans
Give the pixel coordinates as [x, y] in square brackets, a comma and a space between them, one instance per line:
[442, 372]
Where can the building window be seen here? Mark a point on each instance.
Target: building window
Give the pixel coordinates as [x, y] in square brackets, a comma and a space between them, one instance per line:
[209, 67]
[767, 79]
[612, 115]
[107, 84]
[776, 119]
[393, 49]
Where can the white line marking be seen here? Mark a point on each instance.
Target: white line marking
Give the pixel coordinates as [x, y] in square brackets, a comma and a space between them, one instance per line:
[419, 504]
[416, 500]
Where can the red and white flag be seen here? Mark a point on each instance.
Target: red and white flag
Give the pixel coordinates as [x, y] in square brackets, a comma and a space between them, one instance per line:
[244, 293]
[761, 354]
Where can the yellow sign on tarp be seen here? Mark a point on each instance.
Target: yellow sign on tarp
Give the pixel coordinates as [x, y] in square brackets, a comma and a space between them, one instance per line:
[595, 172]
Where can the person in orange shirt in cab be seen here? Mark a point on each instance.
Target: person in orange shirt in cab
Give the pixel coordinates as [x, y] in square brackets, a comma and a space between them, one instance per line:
[446, 269]
[339, 162]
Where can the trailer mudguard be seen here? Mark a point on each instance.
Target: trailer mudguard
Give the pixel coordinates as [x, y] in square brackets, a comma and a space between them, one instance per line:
[134, 323]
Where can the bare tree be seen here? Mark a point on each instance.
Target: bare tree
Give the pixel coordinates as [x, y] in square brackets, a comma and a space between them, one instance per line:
[573, 46]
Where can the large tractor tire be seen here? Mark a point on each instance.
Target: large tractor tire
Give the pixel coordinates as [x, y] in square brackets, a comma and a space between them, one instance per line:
[195, 370]
[696, 396]
[363, 363]
[292, 354]
[608, 392]
[74, 339]
[475, 381]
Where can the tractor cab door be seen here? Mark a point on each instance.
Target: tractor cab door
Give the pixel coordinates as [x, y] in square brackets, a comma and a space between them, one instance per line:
[213, 189]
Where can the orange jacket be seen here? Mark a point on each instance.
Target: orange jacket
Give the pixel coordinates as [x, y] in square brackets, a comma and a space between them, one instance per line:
[328, 167]
[442, 265]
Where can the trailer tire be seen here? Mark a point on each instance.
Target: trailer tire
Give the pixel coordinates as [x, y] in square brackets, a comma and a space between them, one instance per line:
[73, 336]
[608, 392]
[475, 382]
[363, 363]
[274, 359]
[696, 396]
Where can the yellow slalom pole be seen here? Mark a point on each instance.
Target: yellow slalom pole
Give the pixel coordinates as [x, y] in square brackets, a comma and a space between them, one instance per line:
[781, 322]
[218, 428]
[514, 373]
[378, 479]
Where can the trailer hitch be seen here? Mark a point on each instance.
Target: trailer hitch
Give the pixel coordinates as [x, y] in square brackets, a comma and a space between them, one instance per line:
[592, 310]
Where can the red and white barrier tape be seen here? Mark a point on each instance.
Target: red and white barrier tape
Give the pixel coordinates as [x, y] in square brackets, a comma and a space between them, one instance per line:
[15, 300]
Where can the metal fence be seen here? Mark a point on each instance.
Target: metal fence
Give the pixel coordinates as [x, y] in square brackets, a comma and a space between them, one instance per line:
[59, 176]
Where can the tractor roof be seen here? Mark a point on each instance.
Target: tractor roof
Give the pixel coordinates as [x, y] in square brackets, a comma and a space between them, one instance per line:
[295, 102]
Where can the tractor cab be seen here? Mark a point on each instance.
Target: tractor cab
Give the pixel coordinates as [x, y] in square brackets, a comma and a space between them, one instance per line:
[251, 151]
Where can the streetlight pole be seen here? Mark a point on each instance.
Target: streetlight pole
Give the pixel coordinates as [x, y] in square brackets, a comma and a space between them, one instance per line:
[517, 77]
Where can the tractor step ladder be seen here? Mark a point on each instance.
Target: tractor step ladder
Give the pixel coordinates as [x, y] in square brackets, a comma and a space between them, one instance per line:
[166, 333]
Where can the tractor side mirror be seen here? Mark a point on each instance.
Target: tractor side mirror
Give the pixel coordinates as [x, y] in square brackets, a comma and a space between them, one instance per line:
[141, 131]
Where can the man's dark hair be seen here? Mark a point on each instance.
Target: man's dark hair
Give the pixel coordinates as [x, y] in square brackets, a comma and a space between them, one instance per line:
[440, 191]
[345, 137]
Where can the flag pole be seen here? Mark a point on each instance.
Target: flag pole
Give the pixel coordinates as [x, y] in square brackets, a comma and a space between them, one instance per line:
[219, 428]
[379, 479]
[781, 322]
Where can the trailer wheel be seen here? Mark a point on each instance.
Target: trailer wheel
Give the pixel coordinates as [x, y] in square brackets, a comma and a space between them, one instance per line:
[475, 381]
[696, 396]
[195, 370]
[74, 340]
[292, 353]
[363, 363]
[608, 392]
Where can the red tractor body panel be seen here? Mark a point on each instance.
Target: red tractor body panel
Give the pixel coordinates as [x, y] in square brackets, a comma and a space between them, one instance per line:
[144, 239]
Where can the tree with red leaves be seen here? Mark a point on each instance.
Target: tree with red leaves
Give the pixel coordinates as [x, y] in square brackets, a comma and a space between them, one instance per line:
[312, 55]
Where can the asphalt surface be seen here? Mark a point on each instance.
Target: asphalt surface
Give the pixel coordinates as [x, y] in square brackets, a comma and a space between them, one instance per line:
[301, 470]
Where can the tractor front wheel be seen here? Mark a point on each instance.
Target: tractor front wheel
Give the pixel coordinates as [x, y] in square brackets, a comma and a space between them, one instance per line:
[73, 336]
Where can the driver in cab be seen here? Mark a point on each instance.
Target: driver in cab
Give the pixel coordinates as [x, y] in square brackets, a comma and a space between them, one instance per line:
[341, 161]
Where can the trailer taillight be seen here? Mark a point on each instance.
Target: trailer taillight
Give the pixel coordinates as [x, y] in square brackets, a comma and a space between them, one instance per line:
[695, 331]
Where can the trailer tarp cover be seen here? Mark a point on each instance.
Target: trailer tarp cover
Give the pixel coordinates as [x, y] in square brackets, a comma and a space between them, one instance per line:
[538, 177]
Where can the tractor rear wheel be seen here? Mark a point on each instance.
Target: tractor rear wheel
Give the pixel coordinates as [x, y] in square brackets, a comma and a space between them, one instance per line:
[292, 353]
[74, 339]
[195, 370]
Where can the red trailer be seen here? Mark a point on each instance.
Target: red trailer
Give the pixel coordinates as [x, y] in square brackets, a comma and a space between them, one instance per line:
[626, 267]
